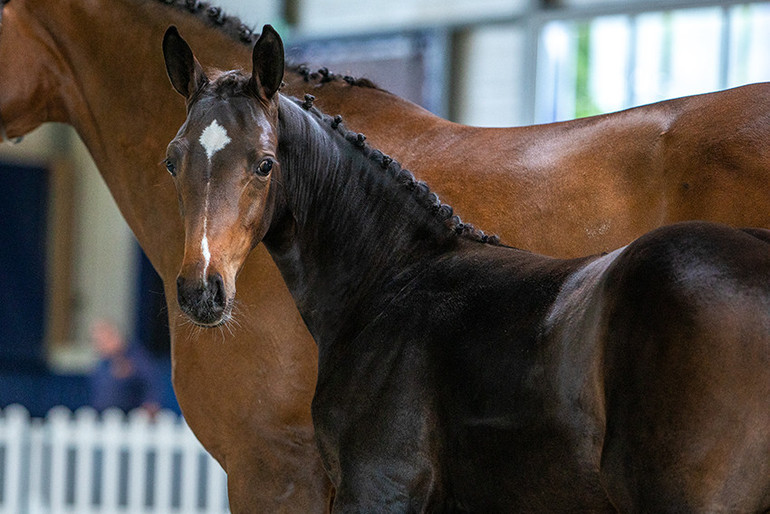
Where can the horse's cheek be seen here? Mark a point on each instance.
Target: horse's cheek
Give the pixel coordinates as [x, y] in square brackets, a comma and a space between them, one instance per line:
[254, 217]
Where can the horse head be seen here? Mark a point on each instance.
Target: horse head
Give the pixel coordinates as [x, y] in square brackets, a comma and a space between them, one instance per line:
[223, 160]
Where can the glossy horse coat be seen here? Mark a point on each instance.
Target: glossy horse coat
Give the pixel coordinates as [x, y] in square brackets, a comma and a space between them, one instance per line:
[564, 189]
[459, 375]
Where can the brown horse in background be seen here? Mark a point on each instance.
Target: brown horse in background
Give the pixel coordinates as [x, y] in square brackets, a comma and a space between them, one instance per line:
[563, 189]
[456, 375]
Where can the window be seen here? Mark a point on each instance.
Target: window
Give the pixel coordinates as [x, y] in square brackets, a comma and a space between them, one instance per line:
[609, 63]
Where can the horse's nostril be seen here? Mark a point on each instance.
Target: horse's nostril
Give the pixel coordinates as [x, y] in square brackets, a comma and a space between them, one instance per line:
[217, 285]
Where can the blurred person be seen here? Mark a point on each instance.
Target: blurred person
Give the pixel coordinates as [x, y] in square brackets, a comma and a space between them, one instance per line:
[126, 376]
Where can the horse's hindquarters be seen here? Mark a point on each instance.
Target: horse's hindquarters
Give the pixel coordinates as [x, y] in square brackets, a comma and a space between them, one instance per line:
[687, 373]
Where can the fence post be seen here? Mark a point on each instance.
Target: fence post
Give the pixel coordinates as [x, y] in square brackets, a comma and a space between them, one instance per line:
[164, 460]
[137, 440]
[13, 423]
[85, 434]
[111, 436]
[58, 420]
[37, 440]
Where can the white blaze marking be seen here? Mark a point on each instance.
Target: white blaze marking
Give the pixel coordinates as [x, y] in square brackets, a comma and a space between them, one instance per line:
[205, 240]
[214, 138]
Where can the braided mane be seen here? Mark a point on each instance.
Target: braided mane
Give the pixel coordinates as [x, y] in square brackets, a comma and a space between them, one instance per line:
[236, 83]
[402, 176]
[232, 26]
[213, 16]
[323, 75]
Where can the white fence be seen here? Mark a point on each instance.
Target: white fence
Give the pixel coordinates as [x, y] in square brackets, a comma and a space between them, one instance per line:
[86, 463]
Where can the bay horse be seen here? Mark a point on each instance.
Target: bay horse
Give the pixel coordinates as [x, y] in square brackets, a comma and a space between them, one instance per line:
[459, 375]
[564, 189]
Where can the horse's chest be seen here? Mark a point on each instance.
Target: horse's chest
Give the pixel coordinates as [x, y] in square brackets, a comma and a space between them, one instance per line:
[375, 417]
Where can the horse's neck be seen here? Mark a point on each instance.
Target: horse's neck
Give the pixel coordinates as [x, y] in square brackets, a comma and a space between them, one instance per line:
[356, 231]
[115, 93]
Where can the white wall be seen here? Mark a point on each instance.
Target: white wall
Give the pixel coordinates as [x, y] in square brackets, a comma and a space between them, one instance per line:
[340, 17]
[107, 253]
[489, 88]
[253, 13]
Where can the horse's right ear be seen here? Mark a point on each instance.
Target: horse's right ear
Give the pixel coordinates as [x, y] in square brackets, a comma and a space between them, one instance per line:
[183, 68]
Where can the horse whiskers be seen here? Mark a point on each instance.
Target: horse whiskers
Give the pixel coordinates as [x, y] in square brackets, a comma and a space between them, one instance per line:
[231, 322]
[229, 325]
[222, 332]
[194, 330]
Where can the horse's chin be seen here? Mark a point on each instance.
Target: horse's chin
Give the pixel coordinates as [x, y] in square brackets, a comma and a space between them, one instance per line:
[214, 324]
[211, 323]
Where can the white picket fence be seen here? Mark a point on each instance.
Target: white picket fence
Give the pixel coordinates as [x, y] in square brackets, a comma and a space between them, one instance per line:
[86, 463]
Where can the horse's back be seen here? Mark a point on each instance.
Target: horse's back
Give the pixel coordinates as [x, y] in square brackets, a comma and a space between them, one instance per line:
[687, 371]
[717, 159]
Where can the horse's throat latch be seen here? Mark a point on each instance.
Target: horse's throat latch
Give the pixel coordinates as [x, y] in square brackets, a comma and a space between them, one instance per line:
[4, 135]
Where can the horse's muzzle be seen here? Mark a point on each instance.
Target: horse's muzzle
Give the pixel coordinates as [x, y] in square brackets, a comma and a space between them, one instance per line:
[204, 302]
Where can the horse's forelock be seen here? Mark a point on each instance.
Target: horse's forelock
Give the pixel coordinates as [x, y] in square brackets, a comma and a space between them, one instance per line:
[230, 83]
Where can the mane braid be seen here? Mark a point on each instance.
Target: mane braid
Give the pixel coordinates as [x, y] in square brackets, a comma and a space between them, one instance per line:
[323, 75]
[404, 177]
[214, 16]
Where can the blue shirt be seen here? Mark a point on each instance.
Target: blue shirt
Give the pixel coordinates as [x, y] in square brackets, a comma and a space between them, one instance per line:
[138, 381]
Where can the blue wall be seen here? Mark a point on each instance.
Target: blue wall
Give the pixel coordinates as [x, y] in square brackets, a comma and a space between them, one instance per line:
[23, 208]
[24, 377]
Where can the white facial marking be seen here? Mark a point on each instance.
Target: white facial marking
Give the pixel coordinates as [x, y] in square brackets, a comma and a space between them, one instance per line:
[205, 240]
[206, 254]
[214, 138]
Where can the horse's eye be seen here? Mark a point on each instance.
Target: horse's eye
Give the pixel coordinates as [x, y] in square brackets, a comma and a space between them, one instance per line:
[171, 167]
[264, 167]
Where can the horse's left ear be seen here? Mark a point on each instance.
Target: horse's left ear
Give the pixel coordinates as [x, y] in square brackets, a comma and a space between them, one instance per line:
[267, 61]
